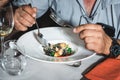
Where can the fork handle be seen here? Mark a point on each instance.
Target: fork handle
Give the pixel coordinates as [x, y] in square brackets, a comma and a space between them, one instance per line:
[69, 26]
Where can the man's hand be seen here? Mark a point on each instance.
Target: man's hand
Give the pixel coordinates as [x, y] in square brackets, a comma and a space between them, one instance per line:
[24, 17]
[94, 37]
[3, 2]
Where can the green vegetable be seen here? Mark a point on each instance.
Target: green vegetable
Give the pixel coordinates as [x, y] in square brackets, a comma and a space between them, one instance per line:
[52, 53]
[69, 50]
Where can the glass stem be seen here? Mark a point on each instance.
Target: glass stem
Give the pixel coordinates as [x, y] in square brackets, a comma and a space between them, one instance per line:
[2, 46]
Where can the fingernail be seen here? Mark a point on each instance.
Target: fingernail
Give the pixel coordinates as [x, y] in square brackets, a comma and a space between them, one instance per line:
[34, 22]
[31, 25]
[74, 30]
[34, 15]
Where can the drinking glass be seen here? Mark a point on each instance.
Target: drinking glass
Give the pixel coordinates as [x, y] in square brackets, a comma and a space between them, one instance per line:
[13, 61]
[6, 23]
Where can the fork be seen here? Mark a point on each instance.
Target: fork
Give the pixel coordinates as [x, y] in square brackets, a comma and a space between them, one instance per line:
[39, 36]
[59, 20]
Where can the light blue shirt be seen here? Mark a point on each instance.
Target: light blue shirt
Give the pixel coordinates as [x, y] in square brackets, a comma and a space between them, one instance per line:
[105, 11]
[73, 12]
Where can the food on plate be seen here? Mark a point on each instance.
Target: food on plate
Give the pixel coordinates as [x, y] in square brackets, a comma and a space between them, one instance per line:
[59, 50]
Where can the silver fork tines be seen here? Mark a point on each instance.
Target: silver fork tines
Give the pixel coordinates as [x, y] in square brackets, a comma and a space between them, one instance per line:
[59, 20]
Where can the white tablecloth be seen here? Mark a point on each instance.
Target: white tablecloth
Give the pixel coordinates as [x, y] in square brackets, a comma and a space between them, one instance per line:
[36, 70]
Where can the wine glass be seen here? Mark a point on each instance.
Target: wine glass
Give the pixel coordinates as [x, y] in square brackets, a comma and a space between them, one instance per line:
[13, 61]
[6, 23]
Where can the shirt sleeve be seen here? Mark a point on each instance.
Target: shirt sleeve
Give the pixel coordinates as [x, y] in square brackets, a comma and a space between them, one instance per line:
[41, 5]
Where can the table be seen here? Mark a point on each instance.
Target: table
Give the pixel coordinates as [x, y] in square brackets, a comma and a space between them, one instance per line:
[36, 70]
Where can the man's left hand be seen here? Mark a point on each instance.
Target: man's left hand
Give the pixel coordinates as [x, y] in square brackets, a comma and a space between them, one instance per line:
[94, 37]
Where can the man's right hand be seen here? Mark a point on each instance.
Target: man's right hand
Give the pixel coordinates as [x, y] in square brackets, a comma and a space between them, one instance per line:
[3, 2]
[24, 17]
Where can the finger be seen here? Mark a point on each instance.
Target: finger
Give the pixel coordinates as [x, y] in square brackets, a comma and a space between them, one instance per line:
[90, 33]
[3, 2]
[93, 47]
[90, 46]
[19, 26]
[35, 10]
[86, 26]
[31, 11]
[28, 16]
[23, 21]
[90, 40]
[20, 22]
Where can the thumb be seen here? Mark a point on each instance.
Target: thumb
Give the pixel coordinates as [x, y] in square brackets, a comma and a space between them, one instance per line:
[76, 30]
[35, 11]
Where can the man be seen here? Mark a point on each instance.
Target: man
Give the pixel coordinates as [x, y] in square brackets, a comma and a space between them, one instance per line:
[82, 12]
[85, 14]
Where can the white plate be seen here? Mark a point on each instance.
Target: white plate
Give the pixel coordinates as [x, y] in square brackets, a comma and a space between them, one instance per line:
[32, 48]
